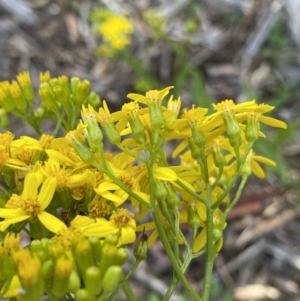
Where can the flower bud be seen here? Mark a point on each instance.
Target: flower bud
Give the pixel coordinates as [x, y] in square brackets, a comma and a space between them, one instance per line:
[193, 218]
[121, 256]
[80, 89]
[138, 129]
[47, 96]
[83, 255]
[17, 95]
[112, 278]
[198, 137]
[233, 129]
[92, 280]
[26, 86]
[156, 115]
[95, 245]
[48, 269]
[160, 191]
[252, 128]
[84, 152]
[141, 248]
[218, 156]
[172, 199]
[94, 100]
[4, 120]
[63, 268]
[108, 256]
[112, 133]
[74, 282]
[84, 295]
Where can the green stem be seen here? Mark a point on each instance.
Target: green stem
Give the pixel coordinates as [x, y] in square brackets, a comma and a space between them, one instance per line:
[172, 258]
[234, 178]
[128, 291]
[210, 254]
[191, 192]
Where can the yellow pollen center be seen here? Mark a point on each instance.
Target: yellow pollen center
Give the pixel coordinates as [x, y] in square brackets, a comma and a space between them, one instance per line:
[31, 207]
[98, 208]
[121, 217]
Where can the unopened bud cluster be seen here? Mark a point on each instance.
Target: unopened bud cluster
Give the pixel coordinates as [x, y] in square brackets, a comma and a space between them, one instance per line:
[89, 267]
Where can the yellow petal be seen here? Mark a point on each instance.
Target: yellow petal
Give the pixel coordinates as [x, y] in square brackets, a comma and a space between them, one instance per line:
[264, 160]
[12, 213]
[47, 192]
[200, 241]
[257, 170]
[51, 222]
[165, 174]
[30, 186]
[11, 221]
[152, 238]
[273, 122]
[128, 236]
[82, 221]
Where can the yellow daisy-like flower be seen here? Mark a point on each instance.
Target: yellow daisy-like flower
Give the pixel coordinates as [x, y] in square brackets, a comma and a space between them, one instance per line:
[31, 205]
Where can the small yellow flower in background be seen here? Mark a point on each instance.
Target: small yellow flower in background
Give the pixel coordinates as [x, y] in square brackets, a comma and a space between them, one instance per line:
[116, 30]
[31, 205]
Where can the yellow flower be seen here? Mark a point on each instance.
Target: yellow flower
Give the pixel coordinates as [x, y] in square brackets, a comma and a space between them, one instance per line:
[116, 30]
[151, 97]
[31, 205]
[121, 221]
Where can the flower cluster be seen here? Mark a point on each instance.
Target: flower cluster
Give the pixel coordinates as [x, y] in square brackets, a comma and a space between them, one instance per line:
[115, 31]
[70, 189]
[67, 263]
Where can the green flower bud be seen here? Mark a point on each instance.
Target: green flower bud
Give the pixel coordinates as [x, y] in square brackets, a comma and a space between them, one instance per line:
[138, 129]
[108, 256]
[193, 218]
[84, 152]
[218, 156]
[63, 268]
[156, 116]
[160, 191]
[26, 86]
[83, 255]
[80, 89]
[121, 256]
[92, 280]
[17, 96]
[252, 128]
[94, 100]
[246, 168]
[4, 120]
[233, 129]
[172, 199]
[141, 248]
[48, 269]
[195, 150]
[198, 137]
[217, 235]
[74, 282]
[112, 133]
[39, 113]
[47, 96]
[84, 295]
[111, 239]
[37, 248]
[96, 246]
[112, 278]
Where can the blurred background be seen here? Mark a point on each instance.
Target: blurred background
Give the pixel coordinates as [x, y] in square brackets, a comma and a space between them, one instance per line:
[210, 50]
